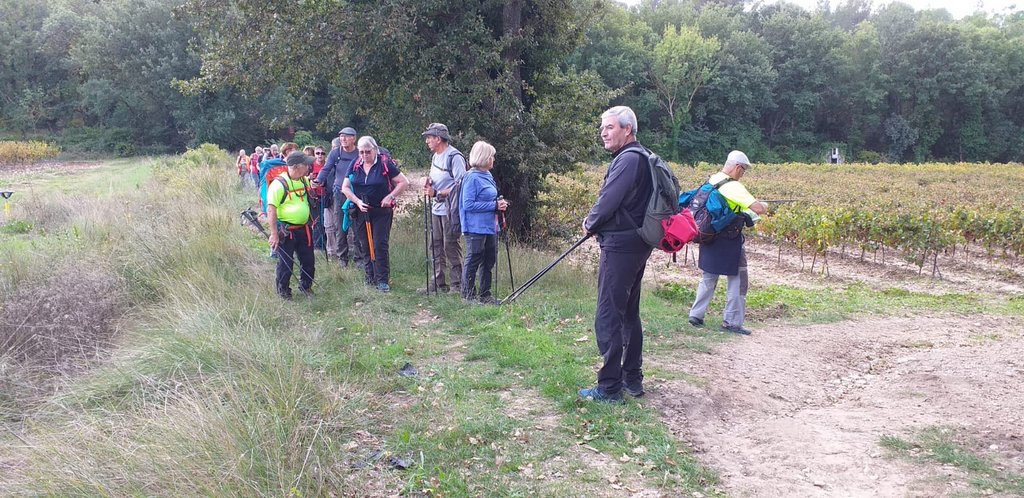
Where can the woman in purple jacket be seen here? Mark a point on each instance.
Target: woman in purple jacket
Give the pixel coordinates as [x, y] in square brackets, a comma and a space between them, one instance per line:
[478, 210]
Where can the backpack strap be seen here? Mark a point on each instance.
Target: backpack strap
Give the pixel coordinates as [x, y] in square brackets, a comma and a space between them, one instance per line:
[723, 182]
[287, 191]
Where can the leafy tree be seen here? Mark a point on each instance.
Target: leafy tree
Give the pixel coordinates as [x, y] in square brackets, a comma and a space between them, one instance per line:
[489, 69]
[683, 62]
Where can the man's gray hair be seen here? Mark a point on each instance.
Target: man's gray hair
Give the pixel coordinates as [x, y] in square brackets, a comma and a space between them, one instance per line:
[625, 115]
[366, 140]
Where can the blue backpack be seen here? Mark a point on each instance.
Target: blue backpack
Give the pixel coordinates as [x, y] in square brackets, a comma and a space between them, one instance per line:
[710, 210]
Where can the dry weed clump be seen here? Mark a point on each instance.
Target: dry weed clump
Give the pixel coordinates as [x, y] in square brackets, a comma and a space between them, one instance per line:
[64, 320]
[12, 152]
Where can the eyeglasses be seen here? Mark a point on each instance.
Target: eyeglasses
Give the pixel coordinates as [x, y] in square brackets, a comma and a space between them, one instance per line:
[318, 153]
[361, 151]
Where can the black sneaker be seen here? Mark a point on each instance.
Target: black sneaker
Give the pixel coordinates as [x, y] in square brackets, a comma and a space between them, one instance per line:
[634, 389]
[696, 322]
[285, 295]
[735, 329]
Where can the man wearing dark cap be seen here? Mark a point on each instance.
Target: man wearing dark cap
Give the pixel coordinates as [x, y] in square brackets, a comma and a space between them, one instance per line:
[341, 243]
[447, 166]
[290, 234]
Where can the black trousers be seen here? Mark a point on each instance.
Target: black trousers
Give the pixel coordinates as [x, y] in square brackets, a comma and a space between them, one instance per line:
[297, 243]
[481, 255]
[378, 270]
[617, 325]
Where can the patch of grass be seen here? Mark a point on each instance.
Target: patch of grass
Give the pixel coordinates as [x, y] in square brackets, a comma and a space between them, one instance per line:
[16, 227]
[831, 305]
[895, 443]
[947, 446]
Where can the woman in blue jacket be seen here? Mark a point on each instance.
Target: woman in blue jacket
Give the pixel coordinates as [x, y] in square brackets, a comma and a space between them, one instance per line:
[478, 211]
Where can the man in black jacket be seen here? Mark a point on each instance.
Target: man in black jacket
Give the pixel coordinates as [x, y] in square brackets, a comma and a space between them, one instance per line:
[619, 210]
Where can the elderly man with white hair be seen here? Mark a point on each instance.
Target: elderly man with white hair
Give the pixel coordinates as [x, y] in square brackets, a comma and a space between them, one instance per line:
[725, 255]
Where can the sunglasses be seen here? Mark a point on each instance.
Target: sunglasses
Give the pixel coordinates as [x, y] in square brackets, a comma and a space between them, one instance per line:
[318, 153]
[366, 151]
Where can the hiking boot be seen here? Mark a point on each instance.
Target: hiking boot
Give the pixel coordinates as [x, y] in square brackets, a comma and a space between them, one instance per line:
[307, 292]
[489, 300]
[384, 287]
[285, 295]
[595, 393]
[634, 389]
[696, 322]
[735, 329]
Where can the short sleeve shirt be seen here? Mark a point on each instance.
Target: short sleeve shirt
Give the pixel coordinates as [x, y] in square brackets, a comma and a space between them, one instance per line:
[440, 177]
[292, 208]
[374, 186]
[734, 192]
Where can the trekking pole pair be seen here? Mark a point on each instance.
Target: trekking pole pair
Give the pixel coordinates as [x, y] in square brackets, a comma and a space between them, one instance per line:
[518, 292]
[429, 251]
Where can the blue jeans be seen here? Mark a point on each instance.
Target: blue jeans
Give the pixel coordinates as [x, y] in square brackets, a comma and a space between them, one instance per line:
[481, 255]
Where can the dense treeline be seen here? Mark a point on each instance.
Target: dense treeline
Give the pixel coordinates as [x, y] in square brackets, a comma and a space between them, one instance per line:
[133, 76]
[786, 84]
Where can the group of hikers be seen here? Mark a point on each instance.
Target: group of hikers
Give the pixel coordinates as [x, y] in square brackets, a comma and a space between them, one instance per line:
[357, 183]
[343, 202]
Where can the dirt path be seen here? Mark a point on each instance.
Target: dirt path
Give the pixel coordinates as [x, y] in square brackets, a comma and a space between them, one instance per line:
[799, 411]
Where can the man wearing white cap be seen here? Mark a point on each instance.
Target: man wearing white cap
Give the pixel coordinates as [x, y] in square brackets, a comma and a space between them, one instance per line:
[725, 255]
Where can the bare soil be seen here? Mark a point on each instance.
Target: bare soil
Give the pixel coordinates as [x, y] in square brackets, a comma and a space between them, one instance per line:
[800, 410]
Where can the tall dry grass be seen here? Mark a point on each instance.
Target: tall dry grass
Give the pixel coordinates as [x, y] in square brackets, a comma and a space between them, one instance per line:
[205, 385]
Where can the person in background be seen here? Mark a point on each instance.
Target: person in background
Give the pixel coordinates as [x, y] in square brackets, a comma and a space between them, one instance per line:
[341, 243]
[372, 183]
[254, 167]
[318, 161]
[725, 254]
[479, 205]
[316, 196]
[288, 214]
[272, 166]
[242, 165]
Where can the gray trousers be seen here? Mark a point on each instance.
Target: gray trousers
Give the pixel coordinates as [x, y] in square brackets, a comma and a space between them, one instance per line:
[735, 296]
[341, 244]
[446, 250]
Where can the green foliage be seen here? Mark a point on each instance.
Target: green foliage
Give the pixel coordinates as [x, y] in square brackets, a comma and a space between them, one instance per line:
[683, 62]
[15, 227]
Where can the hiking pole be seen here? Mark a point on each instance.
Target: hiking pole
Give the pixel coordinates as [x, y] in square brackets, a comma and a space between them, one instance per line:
[369, 238]
[433, 255]
[508, 252]
[249, 216]
[426, 238]
[518, 292]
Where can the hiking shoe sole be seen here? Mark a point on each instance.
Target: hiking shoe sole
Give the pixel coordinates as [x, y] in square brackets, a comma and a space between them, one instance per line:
[735, 329]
